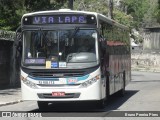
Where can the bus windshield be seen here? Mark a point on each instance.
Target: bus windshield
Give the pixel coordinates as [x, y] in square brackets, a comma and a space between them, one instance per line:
[68, 47]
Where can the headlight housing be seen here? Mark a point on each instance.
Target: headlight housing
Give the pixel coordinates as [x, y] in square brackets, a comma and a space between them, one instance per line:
[28, 82]
[90, 81]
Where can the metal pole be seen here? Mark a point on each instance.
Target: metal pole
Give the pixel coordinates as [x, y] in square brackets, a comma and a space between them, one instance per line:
[110, 12]
[70, 4]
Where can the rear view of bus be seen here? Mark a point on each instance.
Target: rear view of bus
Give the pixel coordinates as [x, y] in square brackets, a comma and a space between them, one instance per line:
[61, 58]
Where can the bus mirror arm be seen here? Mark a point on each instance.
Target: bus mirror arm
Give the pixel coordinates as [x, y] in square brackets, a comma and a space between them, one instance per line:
[18, 41]
[103, 43]
[17, 37]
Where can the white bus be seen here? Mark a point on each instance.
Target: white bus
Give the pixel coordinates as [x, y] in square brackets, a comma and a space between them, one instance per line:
[73, 56]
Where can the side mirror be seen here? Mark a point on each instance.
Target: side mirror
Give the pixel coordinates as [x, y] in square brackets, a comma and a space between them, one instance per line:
[18, 36]
[18, 41]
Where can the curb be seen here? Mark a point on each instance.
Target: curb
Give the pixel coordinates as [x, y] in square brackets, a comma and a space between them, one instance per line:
[11, 103]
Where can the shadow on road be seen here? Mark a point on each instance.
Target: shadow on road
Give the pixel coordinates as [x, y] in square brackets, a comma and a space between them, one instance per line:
[115, 101]
[86, 108]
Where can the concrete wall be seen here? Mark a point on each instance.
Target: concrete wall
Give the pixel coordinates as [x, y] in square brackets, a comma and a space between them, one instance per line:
[9, 64]
[9, 60]
[151, 39]
[5, 56]
[148, 58]
[147, 61]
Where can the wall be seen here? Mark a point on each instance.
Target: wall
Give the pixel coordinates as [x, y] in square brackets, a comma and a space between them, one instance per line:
[9, 60]
[151, 38]
[5, 56]
[148, 58]
[146, 61]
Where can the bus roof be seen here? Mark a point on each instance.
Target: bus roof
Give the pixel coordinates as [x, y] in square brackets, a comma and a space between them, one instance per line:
[98, 15]
[58, 11]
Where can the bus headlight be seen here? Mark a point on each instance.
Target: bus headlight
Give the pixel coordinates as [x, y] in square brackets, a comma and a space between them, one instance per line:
[28, 83]
[90, 82]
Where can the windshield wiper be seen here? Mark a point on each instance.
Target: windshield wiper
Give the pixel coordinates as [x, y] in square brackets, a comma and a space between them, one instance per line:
[71, 56]
[74, 32]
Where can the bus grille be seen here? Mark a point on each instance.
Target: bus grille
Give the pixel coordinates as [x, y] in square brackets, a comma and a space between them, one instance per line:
[56, 75]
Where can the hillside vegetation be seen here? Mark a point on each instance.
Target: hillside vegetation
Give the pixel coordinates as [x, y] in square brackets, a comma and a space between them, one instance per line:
[133, 13]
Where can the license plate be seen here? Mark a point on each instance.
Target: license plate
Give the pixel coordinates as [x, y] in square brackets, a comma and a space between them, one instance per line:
[58, 94]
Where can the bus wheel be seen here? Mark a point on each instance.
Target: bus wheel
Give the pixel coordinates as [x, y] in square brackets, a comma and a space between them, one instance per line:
[122, 91]
[42, 104]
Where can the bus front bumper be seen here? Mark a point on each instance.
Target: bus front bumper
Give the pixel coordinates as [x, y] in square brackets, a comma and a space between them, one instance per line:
[92, 92]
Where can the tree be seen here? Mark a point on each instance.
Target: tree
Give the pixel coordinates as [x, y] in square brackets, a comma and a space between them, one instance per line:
[139, 13]
[37, 5]
[101, 6]
[92, 5]
[137, 9]
[158, 12]
[150, 17]
[12, 10]
[10, 16]
[40, 5]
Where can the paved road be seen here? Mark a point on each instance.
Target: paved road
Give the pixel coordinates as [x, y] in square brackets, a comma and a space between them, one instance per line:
[142, 94]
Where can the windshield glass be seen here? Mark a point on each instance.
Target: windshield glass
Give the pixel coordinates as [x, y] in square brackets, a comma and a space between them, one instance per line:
[60, 48]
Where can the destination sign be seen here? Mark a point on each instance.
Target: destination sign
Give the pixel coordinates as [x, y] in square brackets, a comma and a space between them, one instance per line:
[35, 61]
[59, 19]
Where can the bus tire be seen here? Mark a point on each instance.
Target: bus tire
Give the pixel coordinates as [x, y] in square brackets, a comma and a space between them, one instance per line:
[122, 91]
[42, 104]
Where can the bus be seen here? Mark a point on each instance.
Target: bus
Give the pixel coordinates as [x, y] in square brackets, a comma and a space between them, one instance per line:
[70, 55]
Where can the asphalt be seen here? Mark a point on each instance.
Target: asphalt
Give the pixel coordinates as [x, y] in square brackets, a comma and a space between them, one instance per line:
[10, 96]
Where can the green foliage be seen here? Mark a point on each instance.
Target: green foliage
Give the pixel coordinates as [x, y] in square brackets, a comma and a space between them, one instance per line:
[137, 38]
[101, 6]
[137, 9]
[9, 17]
[36, 5]
[139, 13]
[157, 12]
[122, 18]
[40, 5]
[12, 10]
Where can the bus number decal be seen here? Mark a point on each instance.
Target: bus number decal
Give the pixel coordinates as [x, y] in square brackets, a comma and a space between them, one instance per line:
[46, 82]
[72, 80]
